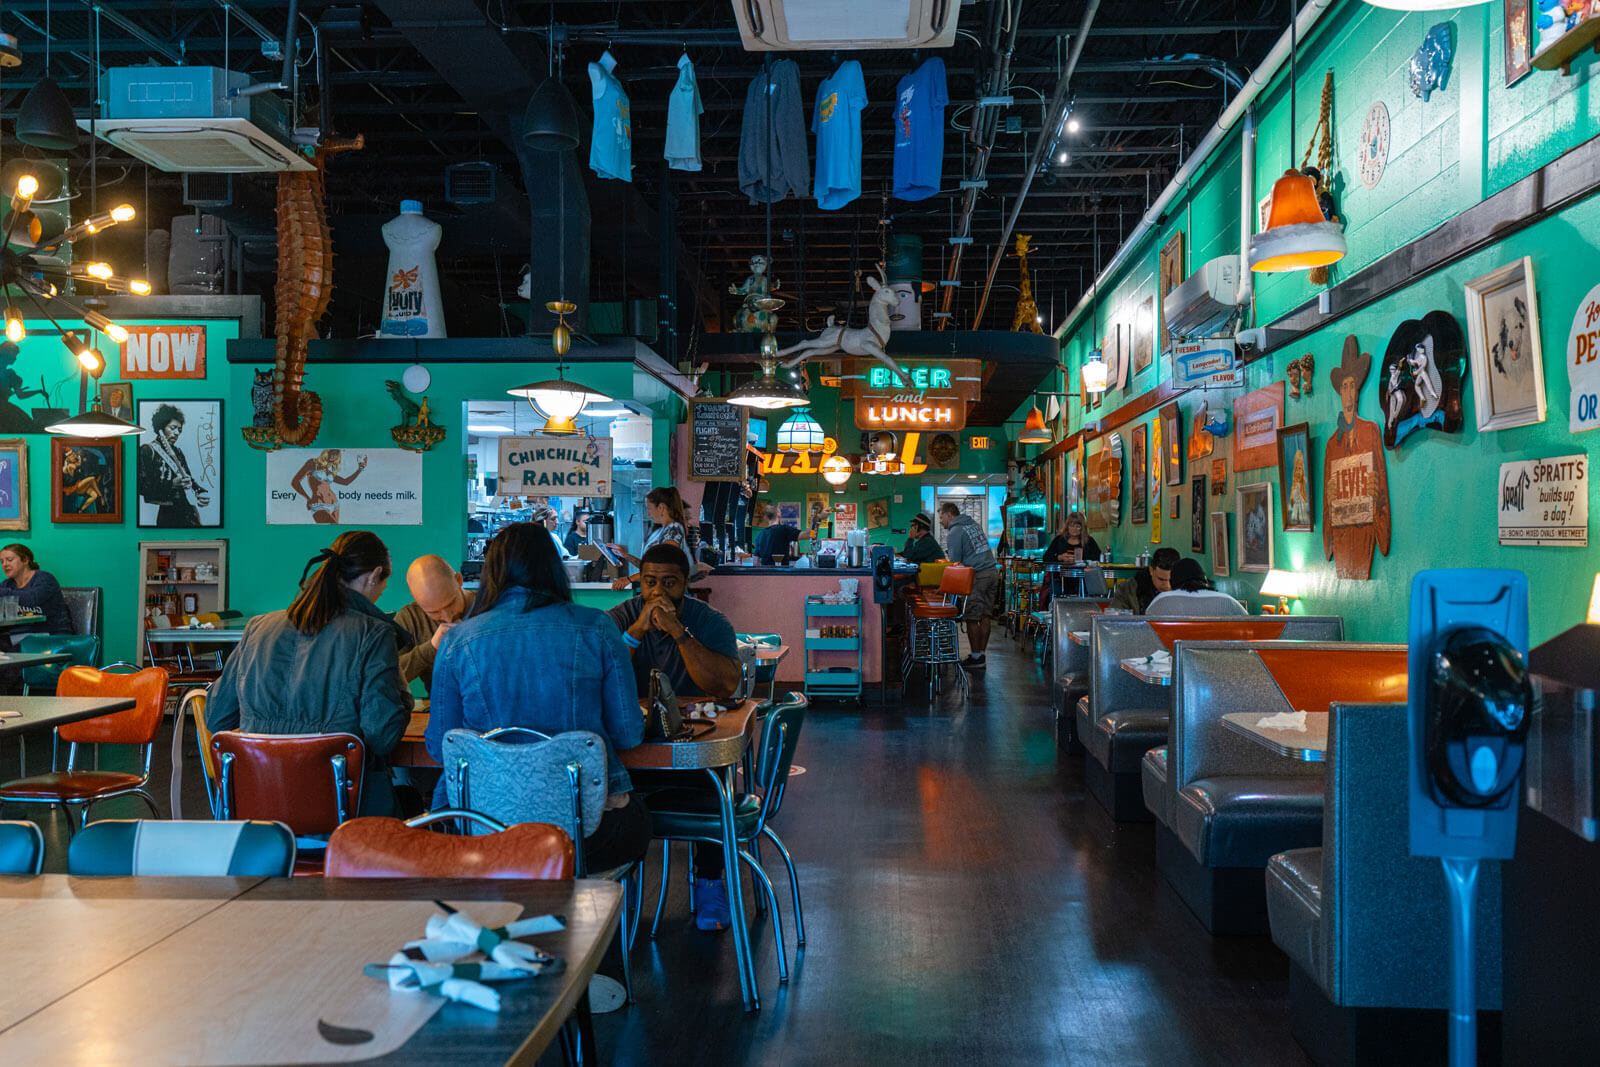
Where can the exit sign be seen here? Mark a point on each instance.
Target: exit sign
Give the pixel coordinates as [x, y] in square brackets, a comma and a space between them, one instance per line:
[977, 442]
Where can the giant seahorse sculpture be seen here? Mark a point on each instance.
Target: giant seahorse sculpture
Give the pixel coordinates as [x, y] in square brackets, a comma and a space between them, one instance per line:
[304, 288]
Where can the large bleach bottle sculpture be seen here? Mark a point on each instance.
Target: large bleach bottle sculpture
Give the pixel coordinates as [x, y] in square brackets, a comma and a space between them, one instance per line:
[411, 304]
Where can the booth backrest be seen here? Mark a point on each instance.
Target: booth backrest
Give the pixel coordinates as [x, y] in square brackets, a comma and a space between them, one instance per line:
[1385, 916]
[83, 605]
[1069, 614]
[1236, 628]
[1214, 678]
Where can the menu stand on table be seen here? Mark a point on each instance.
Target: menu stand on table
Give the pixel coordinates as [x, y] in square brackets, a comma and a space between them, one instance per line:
[836, 682]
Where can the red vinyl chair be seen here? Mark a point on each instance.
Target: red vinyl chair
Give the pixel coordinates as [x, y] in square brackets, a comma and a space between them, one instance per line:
[376, 847]
[136, 726]
[309, 782]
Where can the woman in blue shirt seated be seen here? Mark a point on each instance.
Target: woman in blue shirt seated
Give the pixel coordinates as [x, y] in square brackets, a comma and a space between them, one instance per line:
[35, 589]
[528, 656]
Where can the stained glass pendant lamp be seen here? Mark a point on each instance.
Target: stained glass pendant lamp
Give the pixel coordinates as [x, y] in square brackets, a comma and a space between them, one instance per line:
[800, 433]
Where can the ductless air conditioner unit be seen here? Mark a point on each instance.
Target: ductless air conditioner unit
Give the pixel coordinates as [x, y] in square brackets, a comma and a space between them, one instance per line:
[1205, 300]
[792, 25]
[184, 119]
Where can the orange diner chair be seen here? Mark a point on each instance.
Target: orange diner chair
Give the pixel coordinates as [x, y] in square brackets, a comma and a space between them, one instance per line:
[309, 782]
[377, 847]
[934, 640]
[137, 725]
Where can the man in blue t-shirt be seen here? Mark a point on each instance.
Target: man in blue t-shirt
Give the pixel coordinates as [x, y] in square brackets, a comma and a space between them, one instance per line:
[696, 648]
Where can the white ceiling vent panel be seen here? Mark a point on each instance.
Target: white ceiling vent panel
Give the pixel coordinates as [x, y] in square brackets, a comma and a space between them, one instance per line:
[788, 25]
[222, 145]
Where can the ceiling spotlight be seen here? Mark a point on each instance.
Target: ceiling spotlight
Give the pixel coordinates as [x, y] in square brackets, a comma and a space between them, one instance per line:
[15, 331]
[1063, 158]
[1073, 125]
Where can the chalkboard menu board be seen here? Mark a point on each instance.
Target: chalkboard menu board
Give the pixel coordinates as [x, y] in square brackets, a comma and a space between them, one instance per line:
[716, 441]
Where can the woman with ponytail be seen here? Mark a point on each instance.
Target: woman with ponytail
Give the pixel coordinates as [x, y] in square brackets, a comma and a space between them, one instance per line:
[330, 663]
[528, 656]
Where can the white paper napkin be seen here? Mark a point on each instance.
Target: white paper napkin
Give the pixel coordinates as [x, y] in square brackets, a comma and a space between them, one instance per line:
[1284, 720]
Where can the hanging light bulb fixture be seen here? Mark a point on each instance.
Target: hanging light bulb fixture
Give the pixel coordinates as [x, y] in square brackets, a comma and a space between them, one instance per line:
[1034, 431]
[836, 472]
[1095, 375]
[556, 400]
[1298, 235]
[94, 423]
[800, 433]
[769, 392]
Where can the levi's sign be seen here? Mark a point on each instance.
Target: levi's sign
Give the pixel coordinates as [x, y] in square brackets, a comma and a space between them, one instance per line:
[164, 352]
[928, 396]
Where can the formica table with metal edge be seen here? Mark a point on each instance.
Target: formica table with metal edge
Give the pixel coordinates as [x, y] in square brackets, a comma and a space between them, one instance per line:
[46, 713]
[1308, 745]
[87, 1011]
[1148, 673]
[22, 660]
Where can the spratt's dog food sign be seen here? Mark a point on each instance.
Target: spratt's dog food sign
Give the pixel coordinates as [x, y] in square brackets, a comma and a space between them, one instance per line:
[555, 466]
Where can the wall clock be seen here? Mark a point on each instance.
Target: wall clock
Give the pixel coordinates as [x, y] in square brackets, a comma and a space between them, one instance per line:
[1373, 152]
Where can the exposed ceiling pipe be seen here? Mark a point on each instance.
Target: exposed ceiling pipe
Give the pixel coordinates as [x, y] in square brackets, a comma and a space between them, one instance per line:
[1310, 15]
[1247, 207]
[985, 123]
[1055, 115]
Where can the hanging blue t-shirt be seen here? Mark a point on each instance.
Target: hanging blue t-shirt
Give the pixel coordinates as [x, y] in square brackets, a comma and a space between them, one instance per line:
[919, 102]
[837, 123]
[611, 146]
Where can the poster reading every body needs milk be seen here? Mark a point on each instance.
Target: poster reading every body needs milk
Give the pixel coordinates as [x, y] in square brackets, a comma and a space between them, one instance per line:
[344, 487]
[555, 466]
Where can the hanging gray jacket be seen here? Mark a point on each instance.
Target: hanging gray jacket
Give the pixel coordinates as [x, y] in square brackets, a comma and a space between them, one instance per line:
[773, 158]
[967, 545]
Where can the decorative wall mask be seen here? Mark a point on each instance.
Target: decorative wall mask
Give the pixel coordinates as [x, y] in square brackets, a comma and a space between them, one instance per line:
[1300, 374]
[1420, 380]
[1429, 68]
[1355, 480]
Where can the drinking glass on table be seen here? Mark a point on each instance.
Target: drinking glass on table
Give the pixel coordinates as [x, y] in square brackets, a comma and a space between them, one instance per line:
[10, 608]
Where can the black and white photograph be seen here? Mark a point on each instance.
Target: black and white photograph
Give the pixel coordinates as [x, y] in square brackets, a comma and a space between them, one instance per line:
[179, 479]
[1503, 342]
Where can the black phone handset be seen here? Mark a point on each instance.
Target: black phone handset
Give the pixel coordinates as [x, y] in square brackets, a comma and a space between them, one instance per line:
[1479, 698]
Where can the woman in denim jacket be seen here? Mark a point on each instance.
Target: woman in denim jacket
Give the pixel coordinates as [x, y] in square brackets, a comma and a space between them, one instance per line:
[528, 656]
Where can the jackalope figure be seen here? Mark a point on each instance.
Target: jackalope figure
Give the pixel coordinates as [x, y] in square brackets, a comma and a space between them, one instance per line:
[868, 340]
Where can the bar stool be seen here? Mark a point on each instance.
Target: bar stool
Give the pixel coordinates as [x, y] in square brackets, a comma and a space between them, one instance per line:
[934, 640]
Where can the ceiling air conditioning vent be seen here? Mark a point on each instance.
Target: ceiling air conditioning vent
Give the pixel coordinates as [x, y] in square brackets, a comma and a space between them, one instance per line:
[234, 146]
[469, 183]
[790, 25]
[1205, 300]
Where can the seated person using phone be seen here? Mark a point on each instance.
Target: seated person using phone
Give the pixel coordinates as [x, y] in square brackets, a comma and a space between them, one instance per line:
[695, 647]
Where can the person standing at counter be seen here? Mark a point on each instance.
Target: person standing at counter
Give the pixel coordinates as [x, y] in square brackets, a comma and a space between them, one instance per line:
[438, 602]
[1135, 594]
[34, 589]
[968, 546]
[666, 509]
[1193, 594]
[1074, 543]
[774, 541]
[921, 546]
[579, 534]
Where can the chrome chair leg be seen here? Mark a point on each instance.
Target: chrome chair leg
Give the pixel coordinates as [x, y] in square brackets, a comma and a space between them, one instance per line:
[765, 885]
[794, 885]
[666, 883]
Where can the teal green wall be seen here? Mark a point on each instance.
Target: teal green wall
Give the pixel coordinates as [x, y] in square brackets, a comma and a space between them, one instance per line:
[1469, 140]
[264, 562]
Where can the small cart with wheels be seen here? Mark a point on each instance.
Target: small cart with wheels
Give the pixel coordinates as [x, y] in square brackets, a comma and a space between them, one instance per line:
[831, 631]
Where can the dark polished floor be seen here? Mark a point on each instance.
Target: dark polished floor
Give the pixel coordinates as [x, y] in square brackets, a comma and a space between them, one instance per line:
[966, 903]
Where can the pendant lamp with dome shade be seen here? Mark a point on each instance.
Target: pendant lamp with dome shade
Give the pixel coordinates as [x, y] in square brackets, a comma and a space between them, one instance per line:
[1298, 235]
[550, 123]
[95, 423]
[45, 118]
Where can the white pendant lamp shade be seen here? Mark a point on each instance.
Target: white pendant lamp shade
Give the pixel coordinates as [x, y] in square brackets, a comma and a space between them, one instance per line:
[559, 401]
[768, 392]
[94, 424]
[1096, 373]
[800, 433]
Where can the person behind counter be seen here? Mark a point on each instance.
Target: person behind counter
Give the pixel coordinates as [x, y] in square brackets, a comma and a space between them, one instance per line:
[34, 589]
[921, 546]
[328, 664]
[1193, 594]
[1073, 544]
[666, 509]
[438, 602]
[1135, 594]
[968, 546]
[528, 656]
[579, 534]
[549, 518]
[775, 540]
[695, 647]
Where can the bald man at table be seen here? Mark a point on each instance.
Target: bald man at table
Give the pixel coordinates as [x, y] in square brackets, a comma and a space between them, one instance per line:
[438, 602]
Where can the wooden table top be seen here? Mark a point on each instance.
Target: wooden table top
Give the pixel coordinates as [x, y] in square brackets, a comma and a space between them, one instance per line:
[1308, 746]
[258, 970]
[46, 713]
[771, 653]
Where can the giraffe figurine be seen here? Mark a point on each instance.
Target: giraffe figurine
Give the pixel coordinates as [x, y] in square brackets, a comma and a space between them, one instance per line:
[1027, 316]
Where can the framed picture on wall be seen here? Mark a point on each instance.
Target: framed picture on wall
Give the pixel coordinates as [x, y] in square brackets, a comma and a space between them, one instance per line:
[878, 513]
[1219, 544]
[1176, 499]
[85, 479]
[1138, 501]
[1172, 442]
[1518, 40]
[116, 398]
[1503, 344]
[1294, 477]
[1254, 504]
[1197, 517]
[179, 468]
[789, 512]
[14, 483]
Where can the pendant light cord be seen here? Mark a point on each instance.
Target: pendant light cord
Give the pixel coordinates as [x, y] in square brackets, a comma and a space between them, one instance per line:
[1294, 48]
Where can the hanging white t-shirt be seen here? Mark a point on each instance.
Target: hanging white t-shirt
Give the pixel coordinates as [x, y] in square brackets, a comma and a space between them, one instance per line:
[683, 120]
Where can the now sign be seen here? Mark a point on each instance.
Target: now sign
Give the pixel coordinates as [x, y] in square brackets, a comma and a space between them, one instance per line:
[164, 352]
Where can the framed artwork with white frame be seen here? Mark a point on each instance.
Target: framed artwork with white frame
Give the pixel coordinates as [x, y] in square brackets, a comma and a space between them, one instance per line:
[1254, 505]
[1219, 544]
[1504, 349]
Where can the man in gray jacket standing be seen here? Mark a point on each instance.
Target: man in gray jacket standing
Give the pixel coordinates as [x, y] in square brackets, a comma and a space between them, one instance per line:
[968, 546]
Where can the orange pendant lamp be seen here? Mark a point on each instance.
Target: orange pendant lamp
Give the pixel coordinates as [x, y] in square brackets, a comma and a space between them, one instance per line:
[1298, 235]
[1034, 431]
